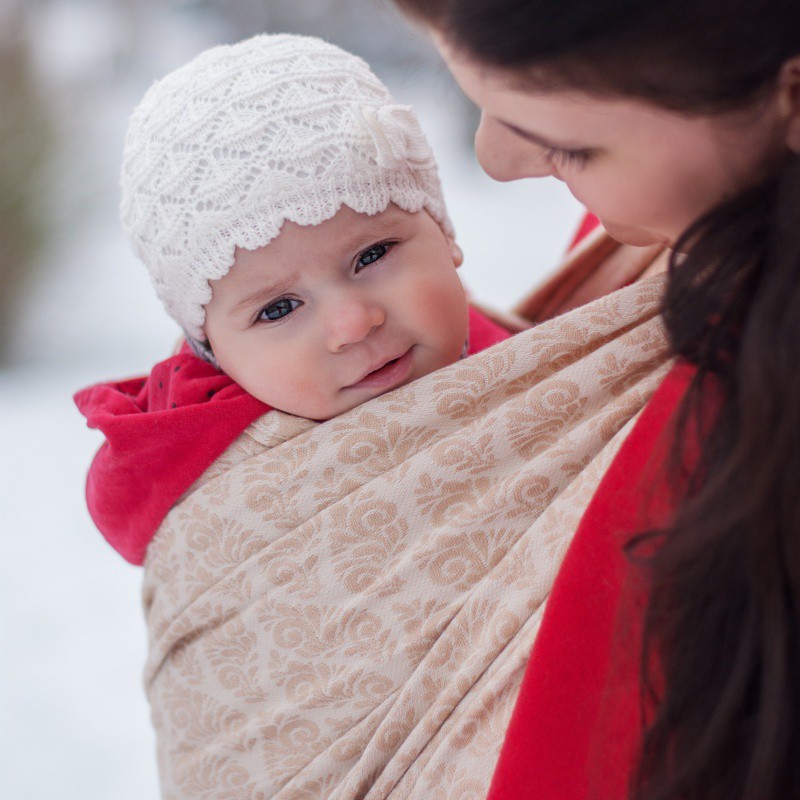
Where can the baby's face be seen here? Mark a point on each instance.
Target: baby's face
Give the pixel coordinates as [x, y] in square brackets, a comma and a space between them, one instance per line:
[326, 317]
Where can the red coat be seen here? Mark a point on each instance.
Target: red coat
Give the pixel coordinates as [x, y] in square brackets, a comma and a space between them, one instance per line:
[576, 726]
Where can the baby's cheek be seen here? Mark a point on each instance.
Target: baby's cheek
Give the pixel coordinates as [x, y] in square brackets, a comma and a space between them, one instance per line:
[448, 304]
[301, 400]
[315, 397]
[271, 385]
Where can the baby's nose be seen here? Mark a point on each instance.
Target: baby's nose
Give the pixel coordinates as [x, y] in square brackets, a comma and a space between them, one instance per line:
[352, 321]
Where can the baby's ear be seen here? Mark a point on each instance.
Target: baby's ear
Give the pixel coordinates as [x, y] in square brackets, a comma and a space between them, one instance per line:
[203, 350]
[456, 253]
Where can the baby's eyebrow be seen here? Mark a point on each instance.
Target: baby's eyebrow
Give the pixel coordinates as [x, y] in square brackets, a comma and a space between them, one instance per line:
[368, 232]
[260, 295]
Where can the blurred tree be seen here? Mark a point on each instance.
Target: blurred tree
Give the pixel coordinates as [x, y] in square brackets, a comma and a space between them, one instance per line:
[25, 142]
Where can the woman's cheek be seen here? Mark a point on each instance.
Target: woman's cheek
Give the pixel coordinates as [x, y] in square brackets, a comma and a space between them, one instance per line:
[581, 187]
[619, 199]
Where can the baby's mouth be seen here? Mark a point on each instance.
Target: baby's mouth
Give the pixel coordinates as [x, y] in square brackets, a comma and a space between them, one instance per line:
[390, 374]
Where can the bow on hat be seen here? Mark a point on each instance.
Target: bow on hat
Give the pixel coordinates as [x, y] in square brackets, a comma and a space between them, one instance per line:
[397, 137]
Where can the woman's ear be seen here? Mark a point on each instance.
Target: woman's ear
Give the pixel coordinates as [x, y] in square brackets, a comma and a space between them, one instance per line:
[789, 98]
[456, 253]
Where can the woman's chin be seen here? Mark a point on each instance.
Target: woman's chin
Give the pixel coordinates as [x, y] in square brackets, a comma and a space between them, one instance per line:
[637, 237]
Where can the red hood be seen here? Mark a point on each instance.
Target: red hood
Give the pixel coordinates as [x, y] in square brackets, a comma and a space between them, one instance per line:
[163, 431]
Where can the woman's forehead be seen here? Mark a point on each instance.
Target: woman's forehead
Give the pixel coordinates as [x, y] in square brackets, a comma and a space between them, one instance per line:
[566, 118]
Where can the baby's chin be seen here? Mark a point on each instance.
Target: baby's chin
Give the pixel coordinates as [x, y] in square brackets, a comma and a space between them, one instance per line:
[322, 413]
[330, 413]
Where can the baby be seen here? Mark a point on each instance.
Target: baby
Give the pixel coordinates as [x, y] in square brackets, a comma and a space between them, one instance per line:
[290, 215]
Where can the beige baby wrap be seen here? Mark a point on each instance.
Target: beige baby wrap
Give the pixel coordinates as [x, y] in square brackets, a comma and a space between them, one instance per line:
[345, 610]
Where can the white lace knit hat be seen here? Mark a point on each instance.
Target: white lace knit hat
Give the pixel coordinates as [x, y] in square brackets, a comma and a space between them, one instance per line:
[222, 151]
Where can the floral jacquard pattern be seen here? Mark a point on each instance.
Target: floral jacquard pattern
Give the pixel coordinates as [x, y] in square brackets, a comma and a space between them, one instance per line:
[345, 609]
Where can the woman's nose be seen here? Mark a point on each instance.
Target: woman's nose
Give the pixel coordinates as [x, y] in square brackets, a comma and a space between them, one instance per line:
[352, 321]
[504, 156]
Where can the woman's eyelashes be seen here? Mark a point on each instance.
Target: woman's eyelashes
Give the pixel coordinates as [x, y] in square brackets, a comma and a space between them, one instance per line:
[561, 157]
[278, 310]
[373, 253]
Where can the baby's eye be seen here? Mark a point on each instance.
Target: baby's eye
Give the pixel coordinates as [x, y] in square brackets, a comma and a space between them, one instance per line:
[278, 309]
[372, 254]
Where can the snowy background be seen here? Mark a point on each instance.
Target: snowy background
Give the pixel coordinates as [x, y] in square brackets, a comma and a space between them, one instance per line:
[74, 722]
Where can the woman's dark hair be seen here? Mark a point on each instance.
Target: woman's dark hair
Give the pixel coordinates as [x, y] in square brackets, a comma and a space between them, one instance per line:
[723, 620]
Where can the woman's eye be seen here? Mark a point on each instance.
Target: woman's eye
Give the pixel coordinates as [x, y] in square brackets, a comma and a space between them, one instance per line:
[371, 255]
[577, 158]
[278, 309]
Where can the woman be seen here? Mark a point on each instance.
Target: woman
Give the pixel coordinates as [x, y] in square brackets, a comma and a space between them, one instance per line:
[675, 122]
